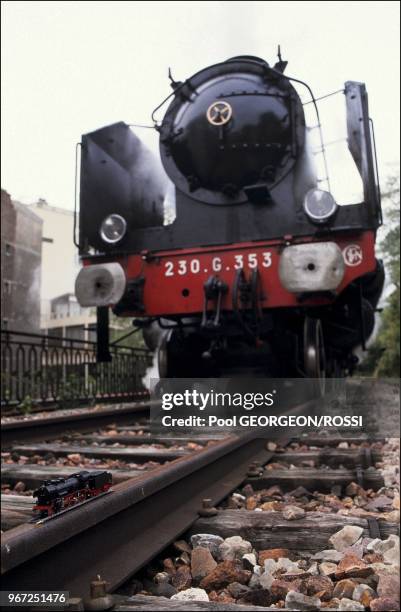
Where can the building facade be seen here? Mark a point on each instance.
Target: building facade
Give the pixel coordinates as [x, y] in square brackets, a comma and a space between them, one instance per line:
[61, 315]
[60, 263]
[67, 319]
[21, 256]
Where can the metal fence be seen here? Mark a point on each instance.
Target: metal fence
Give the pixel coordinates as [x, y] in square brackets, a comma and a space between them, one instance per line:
[43, 369]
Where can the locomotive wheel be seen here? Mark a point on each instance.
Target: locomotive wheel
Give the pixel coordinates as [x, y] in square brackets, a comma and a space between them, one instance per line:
[162, 356]
[314, 353]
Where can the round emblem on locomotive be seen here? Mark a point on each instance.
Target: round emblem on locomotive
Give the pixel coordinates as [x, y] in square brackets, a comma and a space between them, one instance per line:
[219, 113]
[353, 255]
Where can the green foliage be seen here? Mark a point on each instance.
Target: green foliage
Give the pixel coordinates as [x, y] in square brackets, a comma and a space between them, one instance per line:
[389, 338]
[70, 390]
[119, 327]
[383, 358]
[25, 407]
[390, 245]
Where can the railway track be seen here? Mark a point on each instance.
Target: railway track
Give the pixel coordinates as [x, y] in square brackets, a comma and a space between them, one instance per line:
[54, 424]
[115, 438]
[121, 525]
[119, 535]
[266, 516]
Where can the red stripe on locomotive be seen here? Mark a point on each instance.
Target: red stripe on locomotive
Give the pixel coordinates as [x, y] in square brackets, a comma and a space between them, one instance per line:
[175, 274]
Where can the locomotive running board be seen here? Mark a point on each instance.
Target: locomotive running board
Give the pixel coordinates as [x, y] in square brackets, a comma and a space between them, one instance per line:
[57, 514]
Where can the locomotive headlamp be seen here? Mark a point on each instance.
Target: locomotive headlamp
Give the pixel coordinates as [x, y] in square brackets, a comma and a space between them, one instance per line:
[319, 205]
[113, 228]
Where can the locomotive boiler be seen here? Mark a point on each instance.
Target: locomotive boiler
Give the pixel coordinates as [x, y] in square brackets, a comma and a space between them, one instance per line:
[261, 270]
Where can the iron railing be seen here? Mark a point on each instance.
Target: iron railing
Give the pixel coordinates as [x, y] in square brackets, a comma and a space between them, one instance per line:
[44, 369]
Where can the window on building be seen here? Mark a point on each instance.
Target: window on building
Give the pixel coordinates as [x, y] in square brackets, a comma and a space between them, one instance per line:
[56, 334]
[92, 336]
[76, 332]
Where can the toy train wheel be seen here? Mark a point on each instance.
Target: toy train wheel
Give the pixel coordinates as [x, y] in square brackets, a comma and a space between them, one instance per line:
[314, 353]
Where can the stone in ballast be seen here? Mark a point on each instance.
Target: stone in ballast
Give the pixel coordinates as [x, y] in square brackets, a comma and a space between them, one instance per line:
[192, 594]
[234, 548]
[347, 536]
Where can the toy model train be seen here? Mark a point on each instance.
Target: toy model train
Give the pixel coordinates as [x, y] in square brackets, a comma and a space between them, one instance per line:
[261, 270]
[59, 494]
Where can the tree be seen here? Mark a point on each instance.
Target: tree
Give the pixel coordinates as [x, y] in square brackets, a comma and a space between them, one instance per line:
[122, 326]
[383, 357]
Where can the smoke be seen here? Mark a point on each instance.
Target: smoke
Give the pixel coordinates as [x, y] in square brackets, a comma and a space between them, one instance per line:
[156, 340]
[152, 372]
[169, 205]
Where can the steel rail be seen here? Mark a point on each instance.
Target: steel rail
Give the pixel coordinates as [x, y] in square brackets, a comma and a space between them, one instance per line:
[54, 425]
[118, 534]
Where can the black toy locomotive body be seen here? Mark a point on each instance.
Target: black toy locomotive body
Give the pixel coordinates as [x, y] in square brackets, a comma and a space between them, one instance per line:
[59, 494]
[261, 269]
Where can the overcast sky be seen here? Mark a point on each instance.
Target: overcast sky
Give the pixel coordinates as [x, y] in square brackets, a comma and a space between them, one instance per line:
[71, 67]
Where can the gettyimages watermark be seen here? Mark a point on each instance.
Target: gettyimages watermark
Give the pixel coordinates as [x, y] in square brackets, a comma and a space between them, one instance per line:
[272, 407]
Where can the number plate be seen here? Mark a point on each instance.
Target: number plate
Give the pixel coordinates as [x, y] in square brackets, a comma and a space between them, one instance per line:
[193, 265]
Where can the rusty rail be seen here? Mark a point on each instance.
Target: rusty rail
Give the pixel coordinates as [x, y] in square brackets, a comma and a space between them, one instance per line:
[118, 534]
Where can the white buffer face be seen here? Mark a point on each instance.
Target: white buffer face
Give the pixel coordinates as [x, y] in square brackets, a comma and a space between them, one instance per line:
[311, 267]
[100, 285]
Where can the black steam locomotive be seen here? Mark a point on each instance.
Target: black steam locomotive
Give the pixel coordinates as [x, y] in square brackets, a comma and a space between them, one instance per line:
[261, 269]
[59, 494]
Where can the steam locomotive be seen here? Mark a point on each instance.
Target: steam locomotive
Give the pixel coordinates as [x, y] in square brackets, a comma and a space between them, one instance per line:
[261, 270]
[59, 494]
